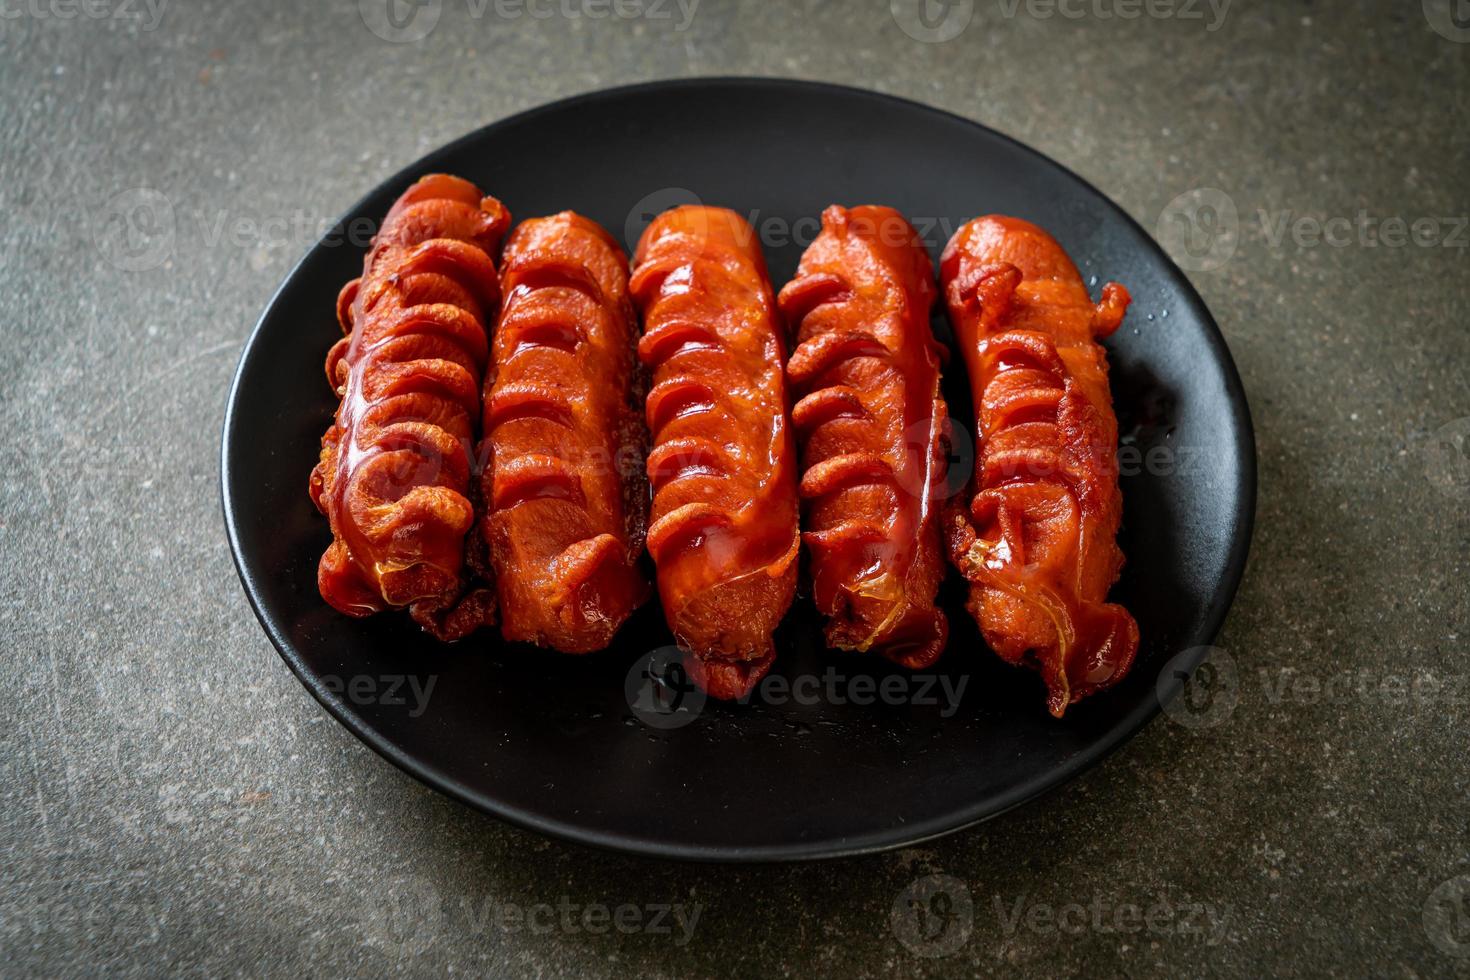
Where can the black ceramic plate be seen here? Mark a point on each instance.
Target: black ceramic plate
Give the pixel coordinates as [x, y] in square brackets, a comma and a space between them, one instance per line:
[550, 742]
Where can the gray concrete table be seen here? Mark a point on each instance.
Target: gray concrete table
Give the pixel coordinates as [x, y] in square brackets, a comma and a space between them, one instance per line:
[173, 800]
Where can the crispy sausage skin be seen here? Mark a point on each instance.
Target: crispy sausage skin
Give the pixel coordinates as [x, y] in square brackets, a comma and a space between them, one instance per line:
[723, 528]
[395, 471]
[872, 425]
[1038, 540]
[565, 497]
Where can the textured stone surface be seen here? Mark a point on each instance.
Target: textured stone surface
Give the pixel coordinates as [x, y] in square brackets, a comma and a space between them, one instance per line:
[171, 798]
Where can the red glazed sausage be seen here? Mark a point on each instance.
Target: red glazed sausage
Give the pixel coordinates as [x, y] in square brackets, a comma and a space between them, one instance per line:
[723, 528]
[565, 498]
[871, 423]
[1038, 540]
[395, 471]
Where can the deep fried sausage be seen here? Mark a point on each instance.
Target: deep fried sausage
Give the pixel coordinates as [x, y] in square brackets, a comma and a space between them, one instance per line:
[871, 423]
[1038, 540]
[565, 499]
[723, 528]
[395, 470]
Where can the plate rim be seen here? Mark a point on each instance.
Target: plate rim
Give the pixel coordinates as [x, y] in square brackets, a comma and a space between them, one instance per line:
[886, 839]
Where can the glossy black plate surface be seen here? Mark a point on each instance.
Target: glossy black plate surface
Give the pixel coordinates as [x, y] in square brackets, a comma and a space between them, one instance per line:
[551, 742]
